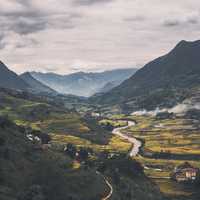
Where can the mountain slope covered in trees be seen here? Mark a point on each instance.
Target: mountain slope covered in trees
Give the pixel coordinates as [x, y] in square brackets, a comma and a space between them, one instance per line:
[164, 81]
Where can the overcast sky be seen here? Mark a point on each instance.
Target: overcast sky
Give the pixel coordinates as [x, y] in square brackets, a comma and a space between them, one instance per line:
[65, 36]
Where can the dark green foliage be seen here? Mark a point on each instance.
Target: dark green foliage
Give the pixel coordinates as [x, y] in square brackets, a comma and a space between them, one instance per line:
[97, 134]
[124, 165]
[32, 174]
[34, 192]
[45, 138]
[71, 150]
[83, 154]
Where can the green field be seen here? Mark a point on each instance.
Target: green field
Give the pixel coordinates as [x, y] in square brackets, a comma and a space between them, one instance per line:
[175, 136]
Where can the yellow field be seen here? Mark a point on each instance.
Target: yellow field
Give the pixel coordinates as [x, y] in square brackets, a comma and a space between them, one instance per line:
[116, 144]
[171, 135]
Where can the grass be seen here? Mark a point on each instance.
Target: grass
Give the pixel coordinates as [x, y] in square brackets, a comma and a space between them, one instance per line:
[169, 135]
[50, 119]
[116, 144]
[114, 123]
[171, 188]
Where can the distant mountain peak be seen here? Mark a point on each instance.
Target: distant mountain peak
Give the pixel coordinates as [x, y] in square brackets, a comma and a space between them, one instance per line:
[36, 85]
[187, 44]
[83, 83]
[9, 79]
[177, 70]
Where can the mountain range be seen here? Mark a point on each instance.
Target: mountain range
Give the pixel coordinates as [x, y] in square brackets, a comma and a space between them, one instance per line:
[35, 85]
[9, 79]
[162, 82]
[81, 83]
[24, 82]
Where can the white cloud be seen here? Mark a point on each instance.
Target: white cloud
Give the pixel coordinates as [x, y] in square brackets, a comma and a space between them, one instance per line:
[57, 35]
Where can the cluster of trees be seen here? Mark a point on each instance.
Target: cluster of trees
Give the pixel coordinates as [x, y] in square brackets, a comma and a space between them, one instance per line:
[44, 137]
[81, 154]
[119, 165]
[5, 122]
[108, 126]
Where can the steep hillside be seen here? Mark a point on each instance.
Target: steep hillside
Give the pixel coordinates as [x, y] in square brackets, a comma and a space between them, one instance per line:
[9, 79]
[50, 118]
[36, 86]
[108, 86]
[166, 78]
[28, 172]
[82, 84]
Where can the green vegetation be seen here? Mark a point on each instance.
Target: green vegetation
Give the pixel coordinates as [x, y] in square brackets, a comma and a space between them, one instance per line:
[71, 176]
[50, 119]
[49, 173]
[175, 138]
[115, 145]
[113, 123]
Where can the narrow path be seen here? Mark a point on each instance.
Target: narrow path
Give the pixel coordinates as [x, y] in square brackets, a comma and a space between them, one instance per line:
[108, 184]
[136, 143]
[111, 190]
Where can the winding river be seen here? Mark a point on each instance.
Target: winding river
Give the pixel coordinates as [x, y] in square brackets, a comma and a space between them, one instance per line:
[136, 143]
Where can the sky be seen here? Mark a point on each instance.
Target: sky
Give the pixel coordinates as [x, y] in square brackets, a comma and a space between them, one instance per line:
[65, 36]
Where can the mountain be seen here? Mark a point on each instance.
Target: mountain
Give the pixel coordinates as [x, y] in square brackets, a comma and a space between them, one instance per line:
[9, 79]
[108, 86]
[162, 82]
[81, 83]
[35, 85]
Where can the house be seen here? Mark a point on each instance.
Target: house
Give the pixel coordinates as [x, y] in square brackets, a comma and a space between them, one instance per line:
[185, 173]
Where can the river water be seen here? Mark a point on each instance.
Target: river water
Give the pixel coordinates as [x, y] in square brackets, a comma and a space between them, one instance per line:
[136, 143]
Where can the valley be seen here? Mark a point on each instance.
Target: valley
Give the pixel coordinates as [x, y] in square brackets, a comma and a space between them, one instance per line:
[138, 140]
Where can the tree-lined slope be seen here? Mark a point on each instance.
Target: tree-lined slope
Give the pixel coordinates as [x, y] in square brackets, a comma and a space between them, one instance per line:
[164, 77]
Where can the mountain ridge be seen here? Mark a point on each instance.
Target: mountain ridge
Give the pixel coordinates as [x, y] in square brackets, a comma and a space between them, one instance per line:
[82, 83]
[177, 70]
[9, 79]
[36, 85]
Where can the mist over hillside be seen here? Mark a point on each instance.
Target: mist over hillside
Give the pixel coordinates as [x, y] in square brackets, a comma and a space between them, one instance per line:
[163, 82]
[81, 83]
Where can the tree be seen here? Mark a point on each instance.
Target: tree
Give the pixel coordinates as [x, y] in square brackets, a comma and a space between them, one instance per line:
[71, 150]
[83, 154]
[32, 193]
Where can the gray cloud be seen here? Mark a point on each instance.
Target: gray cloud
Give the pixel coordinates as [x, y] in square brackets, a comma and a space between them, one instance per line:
[139, 18]
[26, 26]
[90, 2]
[91, 35]
[24, 2]
[182, 21]
[2, 43]
[171, 23]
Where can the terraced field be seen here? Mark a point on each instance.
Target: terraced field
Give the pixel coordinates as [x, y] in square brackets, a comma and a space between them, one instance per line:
[179, 138]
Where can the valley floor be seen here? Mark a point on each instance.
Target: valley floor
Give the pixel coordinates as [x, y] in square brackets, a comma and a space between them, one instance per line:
[167, 143]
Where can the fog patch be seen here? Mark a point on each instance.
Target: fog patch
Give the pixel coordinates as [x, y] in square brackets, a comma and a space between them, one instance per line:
[179, 109]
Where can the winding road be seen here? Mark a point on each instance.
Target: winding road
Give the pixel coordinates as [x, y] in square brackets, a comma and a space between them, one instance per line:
[136, 143]
[134, 151]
